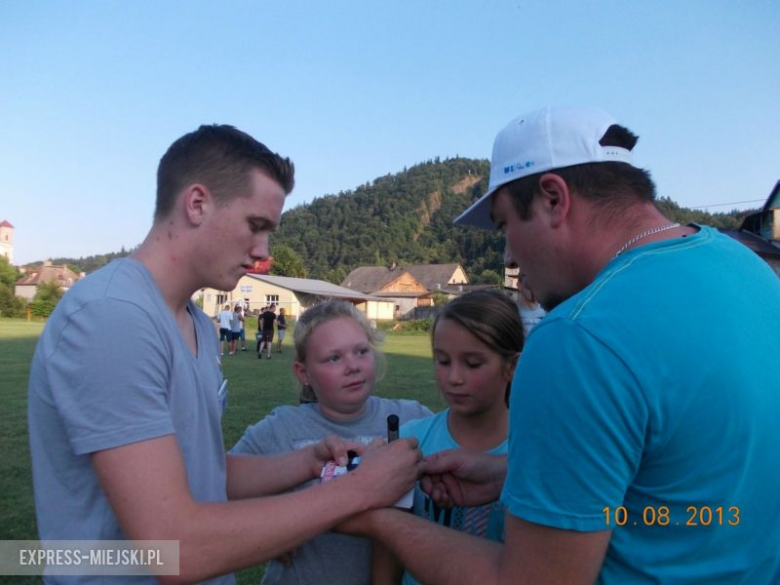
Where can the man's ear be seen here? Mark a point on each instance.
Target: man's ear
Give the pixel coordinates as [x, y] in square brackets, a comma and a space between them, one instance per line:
[555, 197]
[197, 199]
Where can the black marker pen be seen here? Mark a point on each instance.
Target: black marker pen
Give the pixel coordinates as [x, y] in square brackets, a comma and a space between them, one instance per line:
[392, 427]
[352, 460]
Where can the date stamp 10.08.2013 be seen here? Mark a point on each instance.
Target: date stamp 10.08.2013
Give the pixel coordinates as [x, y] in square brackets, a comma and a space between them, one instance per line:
[663, 516]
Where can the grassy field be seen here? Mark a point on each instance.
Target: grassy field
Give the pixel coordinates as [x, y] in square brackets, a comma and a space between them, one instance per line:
[255, 387]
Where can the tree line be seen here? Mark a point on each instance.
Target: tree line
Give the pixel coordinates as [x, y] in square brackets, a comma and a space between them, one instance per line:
[402, 218]
[406, 218]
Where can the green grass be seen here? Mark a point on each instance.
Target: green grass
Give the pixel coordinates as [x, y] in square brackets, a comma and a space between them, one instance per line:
[17, 513]
[255, 388]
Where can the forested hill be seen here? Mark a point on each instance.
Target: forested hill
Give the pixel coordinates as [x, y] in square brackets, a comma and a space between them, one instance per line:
[406, 218]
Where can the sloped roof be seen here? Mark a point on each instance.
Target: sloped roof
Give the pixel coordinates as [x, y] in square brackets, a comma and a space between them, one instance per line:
[755, 221]
[369, 279]
[431, 275]
[402, 295]
[773, 201]
[6, 224]
[60, 274]
[759, 245]
[313, 287]
[461, 289]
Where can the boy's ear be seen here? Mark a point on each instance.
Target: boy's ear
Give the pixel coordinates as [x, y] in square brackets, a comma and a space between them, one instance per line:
[197, 199]
[299, 369]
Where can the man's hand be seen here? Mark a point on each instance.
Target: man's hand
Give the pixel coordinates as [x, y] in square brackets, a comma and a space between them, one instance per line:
[388, 471]
[250, 476]
[460, 477]
[333, 449]
[372, 523]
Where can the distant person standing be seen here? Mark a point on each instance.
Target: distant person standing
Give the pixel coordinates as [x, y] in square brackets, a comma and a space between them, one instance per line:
[242, 333]
[531, 312]
[259, 332]
[225, 332]
[236, 323]
[266, 326]
[281, 326]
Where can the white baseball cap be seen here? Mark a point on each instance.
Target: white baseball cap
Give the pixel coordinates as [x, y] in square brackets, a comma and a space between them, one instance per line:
[550, 138]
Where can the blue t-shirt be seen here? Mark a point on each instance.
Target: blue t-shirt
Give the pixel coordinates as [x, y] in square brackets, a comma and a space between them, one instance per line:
[486, 521]
[656, 390]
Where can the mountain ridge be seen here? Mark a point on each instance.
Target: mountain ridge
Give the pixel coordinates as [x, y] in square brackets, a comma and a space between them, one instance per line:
[404, 218]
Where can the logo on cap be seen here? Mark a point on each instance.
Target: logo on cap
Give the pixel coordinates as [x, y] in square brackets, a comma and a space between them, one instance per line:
[518, 166]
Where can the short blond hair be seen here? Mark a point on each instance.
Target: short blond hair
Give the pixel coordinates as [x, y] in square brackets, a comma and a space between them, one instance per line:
[325, 312]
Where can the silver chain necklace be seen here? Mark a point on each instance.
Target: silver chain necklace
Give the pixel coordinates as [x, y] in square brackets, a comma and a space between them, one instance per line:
[635, 239]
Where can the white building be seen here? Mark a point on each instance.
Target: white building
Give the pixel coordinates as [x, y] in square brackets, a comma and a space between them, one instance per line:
[295, 295]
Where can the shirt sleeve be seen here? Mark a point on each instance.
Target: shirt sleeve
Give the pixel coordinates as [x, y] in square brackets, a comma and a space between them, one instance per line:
[578, 420]
[266, 437]
[412, 410]
[109, 372]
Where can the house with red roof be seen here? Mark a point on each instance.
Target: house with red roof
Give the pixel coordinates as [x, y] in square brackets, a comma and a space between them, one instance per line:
[27, 285]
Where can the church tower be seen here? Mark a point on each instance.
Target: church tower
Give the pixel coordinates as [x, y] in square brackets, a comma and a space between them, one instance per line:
[7, 241]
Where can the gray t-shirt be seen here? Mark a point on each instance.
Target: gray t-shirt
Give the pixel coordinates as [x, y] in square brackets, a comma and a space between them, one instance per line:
[330, 557]
[236, 323]
[112, 368]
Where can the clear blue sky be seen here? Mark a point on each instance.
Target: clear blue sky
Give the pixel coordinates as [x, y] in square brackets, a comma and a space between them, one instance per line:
[93, 92]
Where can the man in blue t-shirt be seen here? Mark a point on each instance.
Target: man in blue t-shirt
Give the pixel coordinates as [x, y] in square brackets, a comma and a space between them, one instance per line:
[643, 443]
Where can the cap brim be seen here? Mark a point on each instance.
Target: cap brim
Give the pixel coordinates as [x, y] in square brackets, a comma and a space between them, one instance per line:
[478, 215]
